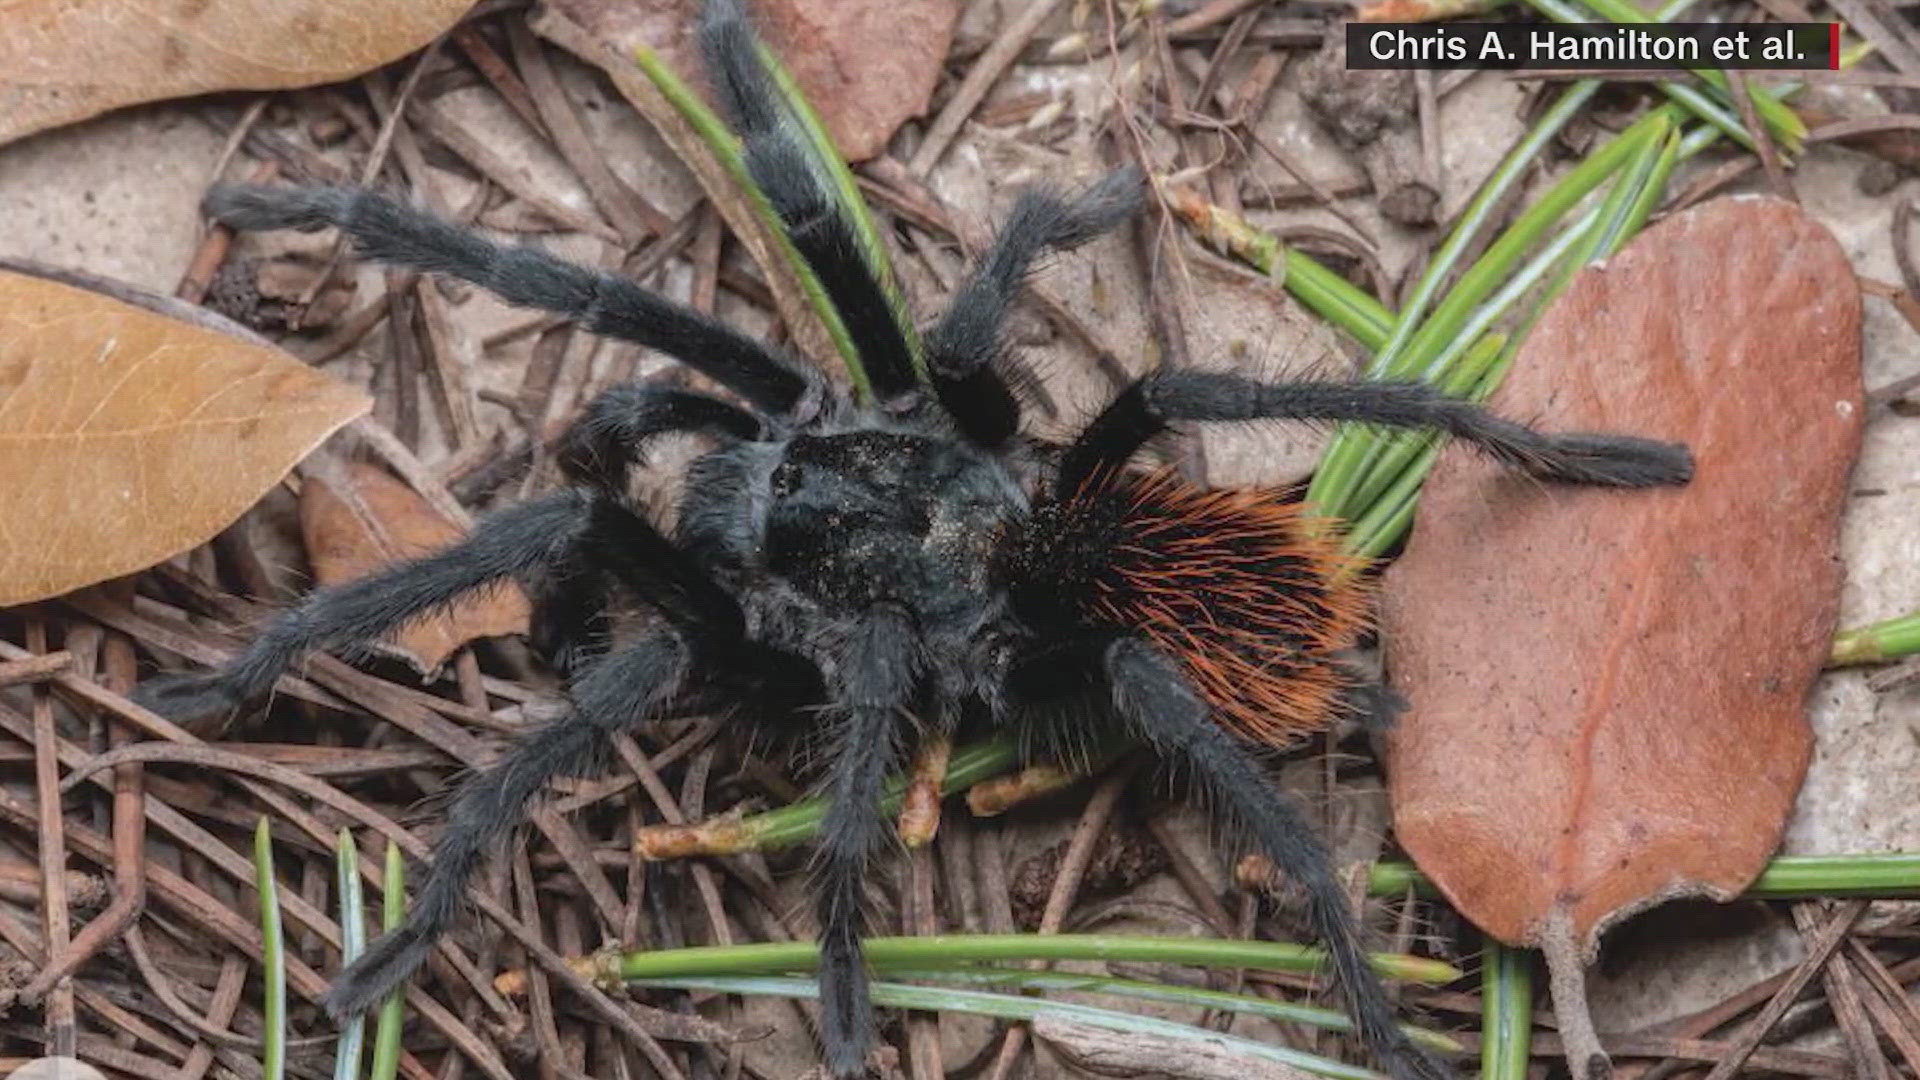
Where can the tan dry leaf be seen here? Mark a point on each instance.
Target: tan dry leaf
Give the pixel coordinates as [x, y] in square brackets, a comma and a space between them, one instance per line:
[375, 521]
[66, 60]
[127, 437]
[1609, 688]
[866, 66]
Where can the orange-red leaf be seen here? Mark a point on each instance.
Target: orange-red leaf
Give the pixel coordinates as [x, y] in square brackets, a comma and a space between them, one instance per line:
[66, 60]
[1609, 688]
[127, 437]
[373, 521]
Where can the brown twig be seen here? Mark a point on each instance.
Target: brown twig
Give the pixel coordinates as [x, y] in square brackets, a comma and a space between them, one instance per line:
[129, 847]
[632, 215]
[1762, 139]
[1066, 885]
[1830, 937]
[376, 159]
[35, 669]
[981, 75]
[506, 82]
[59, 1015]
[1843, 987]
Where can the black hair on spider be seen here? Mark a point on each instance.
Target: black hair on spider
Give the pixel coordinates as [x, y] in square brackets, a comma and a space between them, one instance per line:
[857, 563]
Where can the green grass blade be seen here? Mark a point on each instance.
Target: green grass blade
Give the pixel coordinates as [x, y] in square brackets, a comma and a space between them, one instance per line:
[1890, 875]
[1349, 450]
[1472, 221]
[1888, 640]
[797, 823]
[1506, 1012]
[1349, 492]
[273, 1011]
[726, 149]
[1014, 1007]
[1783, 123]
[1324, 292]
[946, 950]
[353, 939]
[827, 157]
[1197, 997]
[386, 1030]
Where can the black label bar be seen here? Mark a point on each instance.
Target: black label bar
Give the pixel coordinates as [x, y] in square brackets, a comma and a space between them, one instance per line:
[1593, 46]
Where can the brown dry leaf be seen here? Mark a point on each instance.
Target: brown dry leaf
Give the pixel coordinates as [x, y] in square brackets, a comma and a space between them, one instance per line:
[127, 437]
[865, 65]
[1609, 688]
[66, 60]
[360, 519]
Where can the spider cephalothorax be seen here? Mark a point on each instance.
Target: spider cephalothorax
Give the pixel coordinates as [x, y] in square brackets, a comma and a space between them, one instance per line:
[875, 564]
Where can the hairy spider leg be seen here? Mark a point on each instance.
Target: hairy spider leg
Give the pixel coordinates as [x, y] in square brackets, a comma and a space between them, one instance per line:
[1144, 409]
[616, 692]
[518, 541]
[569, 624]
[963, 345]
[784, 169]
[603, 303]
[879, 672]
[1151, 694]
[620, 690]
[600, 449]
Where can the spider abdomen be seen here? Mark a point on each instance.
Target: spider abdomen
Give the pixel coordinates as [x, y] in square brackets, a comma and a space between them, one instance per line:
[1248, 592]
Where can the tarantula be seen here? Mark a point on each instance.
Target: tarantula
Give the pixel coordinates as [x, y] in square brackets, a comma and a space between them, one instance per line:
[891, 565]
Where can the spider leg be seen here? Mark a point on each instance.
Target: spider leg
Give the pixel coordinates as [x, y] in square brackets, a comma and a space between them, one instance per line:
[605, 304]
[616, 692]
[877, 680]
[1144, 410]
[702, 625]
[522, 540]
[783, 167]
[962, 346]
[1150, 693]
[569, 624]
[611, 435]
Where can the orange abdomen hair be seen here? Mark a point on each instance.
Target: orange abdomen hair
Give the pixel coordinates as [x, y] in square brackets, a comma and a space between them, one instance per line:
[1249, 592]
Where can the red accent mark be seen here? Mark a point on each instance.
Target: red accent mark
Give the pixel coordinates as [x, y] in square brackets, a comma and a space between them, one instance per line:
[1833, 46]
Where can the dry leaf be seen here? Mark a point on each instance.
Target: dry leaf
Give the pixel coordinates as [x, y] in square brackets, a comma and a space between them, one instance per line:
[66, 60]
[1609, 688]
[865, 65]
[360, 520]
[127, 437]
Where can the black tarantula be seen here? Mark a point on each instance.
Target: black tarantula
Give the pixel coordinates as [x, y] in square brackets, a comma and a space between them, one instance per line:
[894, 564]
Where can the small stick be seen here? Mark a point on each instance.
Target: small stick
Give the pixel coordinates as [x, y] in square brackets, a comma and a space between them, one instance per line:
[376, 157]
[59, 1016]
[980, 78]
[1844, 993]
[505, 81]
[920, 806]
[1073, 868]
[35, 669]
[495, 166]
[1586, 1058]
[1819, 949]
[631, 214]
[1762, 141]
[129, 846]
